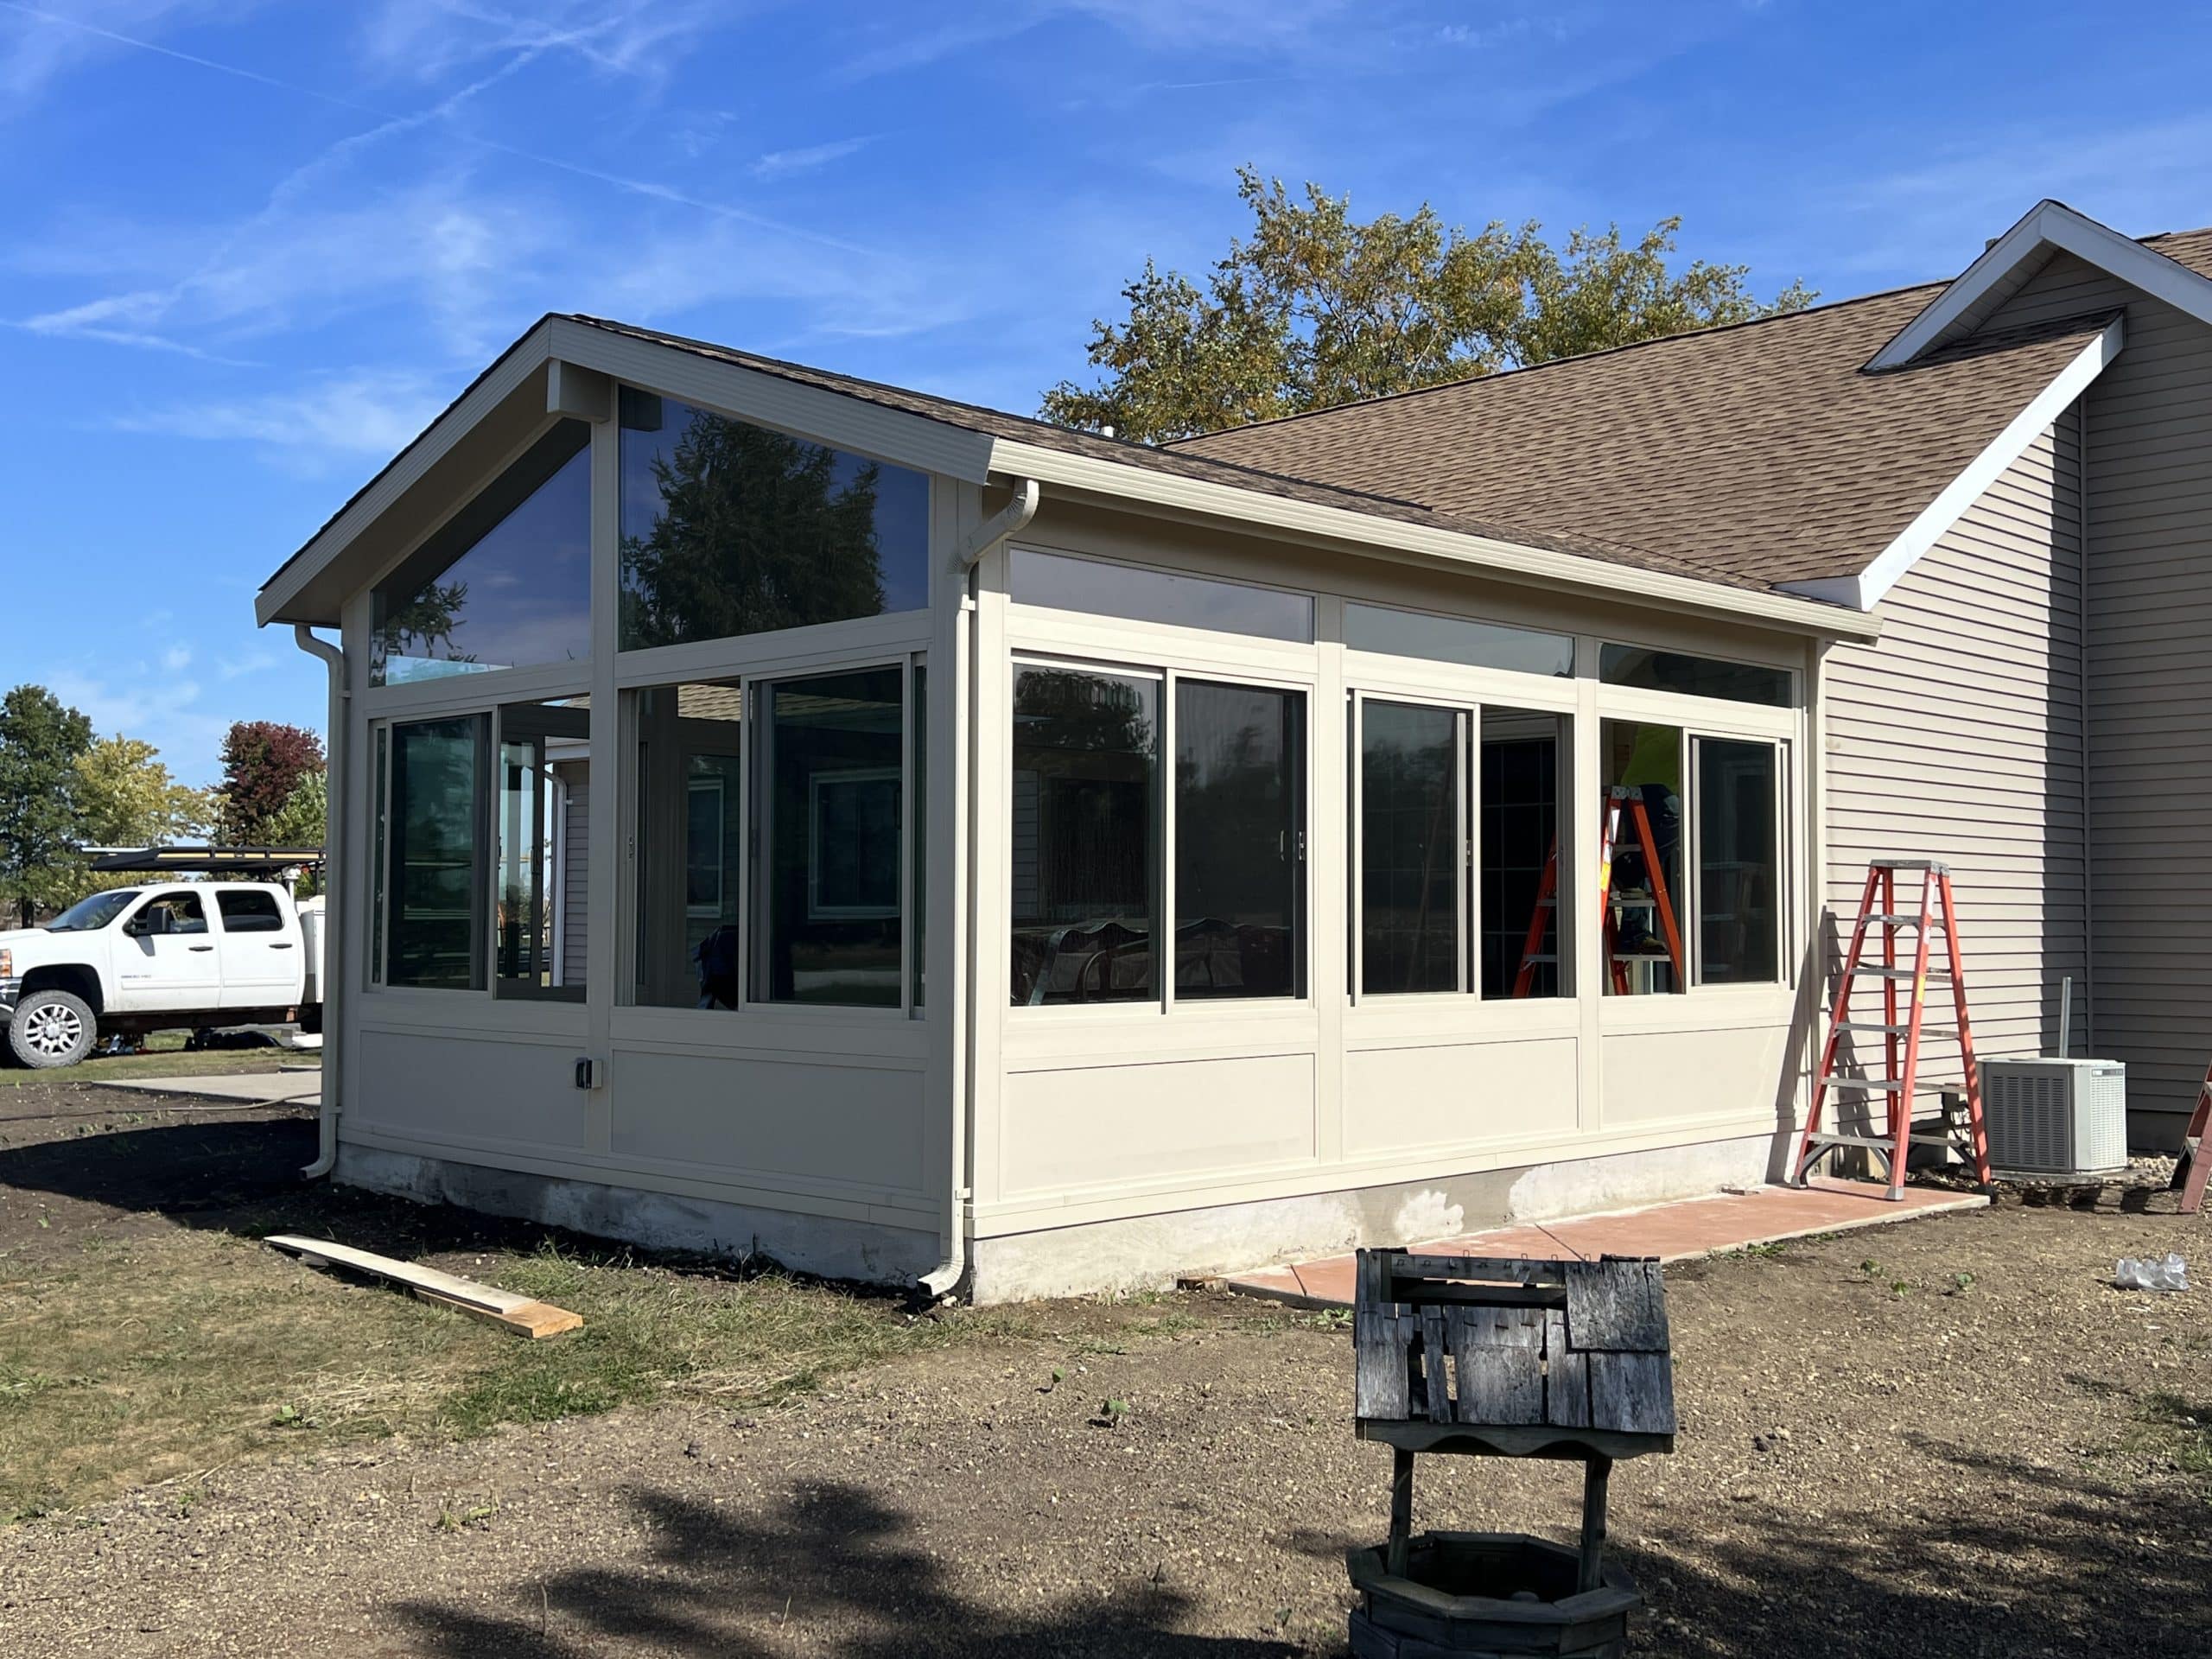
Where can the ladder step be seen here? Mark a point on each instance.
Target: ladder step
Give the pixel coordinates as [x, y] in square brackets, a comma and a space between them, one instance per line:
[1901, 973]
[1852, 1027]
[1901, 920]
[1881, 1142]
[1866, 1085]
[1934, 866]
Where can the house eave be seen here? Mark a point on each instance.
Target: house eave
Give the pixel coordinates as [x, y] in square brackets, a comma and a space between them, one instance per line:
[1393, 538]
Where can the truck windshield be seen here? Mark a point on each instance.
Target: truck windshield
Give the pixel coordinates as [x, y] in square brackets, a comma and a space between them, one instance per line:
[97, 912]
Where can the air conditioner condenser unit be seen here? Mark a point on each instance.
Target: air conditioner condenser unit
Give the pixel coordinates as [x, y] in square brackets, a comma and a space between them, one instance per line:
[2056, 1117]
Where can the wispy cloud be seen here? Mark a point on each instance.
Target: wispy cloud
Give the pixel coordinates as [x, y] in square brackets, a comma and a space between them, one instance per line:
[363, 413]
[40, 44]
[782, 163]
[427, 40]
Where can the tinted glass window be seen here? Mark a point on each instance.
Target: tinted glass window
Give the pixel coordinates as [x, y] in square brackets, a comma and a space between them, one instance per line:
[1522, 755]
[541, 927]
[690, 835]
[1641, 771]
[1738, 864]
[1412, 791]
[250, 912]
[1106, 589]
[172, 912]
[505, 582]
[434, 844]
[832, 751]
[1240, 840]
[1085, 848]
[1694, 677]
[730, 529]
[1455, 639]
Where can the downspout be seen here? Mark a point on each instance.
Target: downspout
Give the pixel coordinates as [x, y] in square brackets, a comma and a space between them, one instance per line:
[2082, 675]
[334, 946]
[942, 1281]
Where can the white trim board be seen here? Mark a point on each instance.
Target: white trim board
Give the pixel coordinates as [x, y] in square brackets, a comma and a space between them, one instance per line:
[1865, 590]
[2046, 226]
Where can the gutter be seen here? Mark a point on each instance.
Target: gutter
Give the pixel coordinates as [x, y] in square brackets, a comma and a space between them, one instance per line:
[944, 1279]
[334, 937]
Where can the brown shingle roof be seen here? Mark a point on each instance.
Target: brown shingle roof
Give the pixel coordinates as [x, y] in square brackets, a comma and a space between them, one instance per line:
[1760, 453]
[1182, 461]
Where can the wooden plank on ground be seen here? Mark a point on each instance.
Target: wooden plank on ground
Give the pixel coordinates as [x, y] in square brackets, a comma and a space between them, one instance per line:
[1567, 1376]
[1499, 1351]
[1616, 1307]
[525, 1315]
[1632, 1393]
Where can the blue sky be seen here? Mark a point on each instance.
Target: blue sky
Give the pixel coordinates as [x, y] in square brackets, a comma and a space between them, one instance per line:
[248, 249]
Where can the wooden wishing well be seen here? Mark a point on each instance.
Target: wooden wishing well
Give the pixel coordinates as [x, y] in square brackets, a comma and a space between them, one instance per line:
[1491, 1357]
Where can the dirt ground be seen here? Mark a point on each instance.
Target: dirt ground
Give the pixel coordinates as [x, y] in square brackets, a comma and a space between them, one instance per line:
[1947, 1438]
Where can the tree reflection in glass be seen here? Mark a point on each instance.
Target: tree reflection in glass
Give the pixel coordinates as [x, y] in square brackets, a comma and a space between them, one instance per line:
[730, 529]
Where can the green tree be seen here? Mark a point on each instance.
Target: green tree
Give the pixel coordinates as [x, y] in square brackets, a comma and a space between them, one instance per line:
[126, 797]
[41, 740]
[302, 821]
[1316, 308]
[754, 532]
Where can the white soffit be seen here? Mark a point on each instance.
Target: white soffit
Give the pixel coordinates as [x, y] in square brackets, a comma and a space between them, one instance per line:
[2046, 226]
[1865, 590]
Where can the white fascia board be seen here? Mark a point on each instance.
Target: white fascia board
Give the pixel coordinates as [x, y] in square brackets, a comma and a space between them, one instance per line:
[2050, 224]
[1598, 577]
[840, 419]
[523, 359]
[1865, 590]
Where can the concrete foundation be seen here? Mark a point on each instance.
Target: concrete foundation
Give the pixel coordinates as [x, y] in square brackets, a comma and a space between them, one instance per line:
[1149, 1252]
[835, 1249]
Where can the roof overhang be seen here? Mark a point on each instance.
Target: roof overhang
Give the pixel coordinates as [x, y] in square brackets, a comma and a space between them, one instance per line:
[1865, 590]
[2013, 256]
[1389, 538]
[536, 380]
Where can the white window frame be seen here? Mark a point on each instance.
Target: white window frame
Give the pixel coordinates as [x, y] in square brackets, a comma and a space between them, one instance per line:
[1169, 673]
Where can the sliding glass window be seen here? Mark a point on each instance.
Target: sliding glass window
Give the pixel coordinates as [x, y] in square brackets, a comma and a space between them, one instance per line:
[1085, 835]
[688, 832]
[1240, 840]
[1523, 759]
[832, 754]
[542, 914]
[435, 884]
[1643, 920]
[1412, 830]
[1739, 862]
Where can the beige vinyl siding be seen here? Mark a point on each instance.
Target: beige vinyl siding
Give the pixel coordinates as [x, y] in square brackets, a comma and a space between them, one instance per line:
[1957, 736]
[2148, 472]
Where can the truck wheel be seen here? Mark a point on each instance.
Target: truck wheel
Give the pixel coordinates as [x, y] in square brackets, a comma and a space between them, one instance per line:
[51, 1029]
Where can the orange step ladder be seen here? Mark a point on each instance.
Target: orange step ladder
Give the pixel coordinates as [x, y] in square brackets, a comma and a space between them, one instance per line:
[1619, 798]
[1900, 1028]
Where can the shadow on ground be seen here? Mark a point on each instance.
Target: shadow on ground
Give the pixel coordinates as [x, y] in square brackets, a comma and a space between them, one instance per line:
[840, 1568]
[2011, 1578]
[841, 1571]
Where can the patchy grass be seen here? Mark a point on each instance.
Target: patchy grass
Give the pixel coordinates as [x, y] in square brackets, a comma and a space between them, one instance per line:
[164, 1357]
[167, 1061]
[2182, 1429]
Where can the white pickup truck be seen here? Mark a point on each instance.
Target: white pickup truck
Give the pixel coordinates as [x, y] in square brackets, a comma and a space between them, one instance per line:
[160, 956]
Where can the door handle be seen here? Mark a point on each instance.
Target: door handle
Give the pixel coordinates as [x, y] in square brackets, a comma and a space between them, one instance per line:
[199, 947]
[285, 946]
